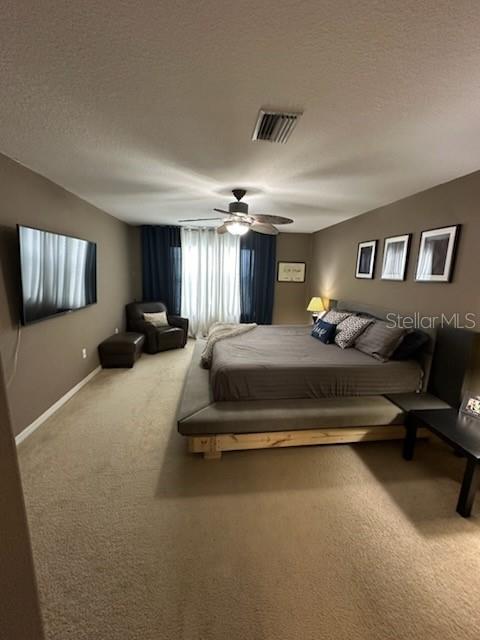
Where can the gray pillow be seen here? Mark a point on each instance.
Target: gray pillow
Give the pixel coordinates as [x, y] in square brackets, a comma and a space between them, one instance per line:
[349, 329]
[380, 340]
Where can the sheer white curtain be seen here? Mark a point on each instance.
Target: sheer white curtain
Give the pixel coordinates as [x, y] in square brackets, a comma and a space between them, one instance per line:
[210, 278]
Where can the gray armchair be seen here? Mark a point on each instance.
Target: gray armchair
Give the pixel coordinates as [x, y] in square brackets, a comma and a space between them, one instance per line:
[157, 338]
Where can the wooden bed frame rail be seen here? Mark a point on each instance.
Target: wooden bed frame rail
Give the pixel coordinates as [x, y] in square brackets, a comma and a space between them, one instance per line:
[212, 446]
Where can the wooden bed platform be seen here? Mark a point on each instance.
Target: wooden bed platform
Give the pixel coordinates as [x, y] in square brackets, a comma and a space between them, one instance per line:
[212, 446]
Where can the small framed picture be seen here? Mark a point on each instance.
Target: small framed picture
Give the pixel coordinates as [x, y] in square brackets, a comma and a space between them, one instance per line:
[366, 259]
[395, 256]
[437, 254]
[291, 272]
[471, 406]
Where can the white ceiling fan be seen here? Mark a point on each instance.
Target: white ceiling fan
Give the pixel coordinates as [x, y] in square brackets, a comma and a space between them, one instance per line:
[239, 221]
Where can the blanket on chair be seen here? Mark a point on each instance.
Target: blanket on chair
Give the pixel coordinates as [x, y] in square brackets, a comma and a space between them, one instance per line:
[220, 331]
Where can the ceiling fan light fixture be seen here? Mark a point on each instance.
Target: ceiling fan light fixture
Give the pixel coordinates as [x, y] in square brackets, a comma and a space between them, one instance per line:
[237, 227]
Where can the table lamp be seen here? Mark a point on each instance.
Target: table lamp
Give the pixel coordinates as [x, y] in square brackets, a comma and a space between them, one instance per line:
[315, 306]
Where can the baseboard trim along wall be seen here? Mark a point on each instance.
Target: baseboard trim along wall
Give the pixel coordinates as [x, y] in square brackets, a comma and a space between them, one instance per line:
[55, 407]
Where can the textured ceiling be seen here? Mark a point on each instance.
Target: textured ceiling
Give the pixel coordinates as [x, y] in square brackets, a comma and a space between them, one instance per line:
[146, 108]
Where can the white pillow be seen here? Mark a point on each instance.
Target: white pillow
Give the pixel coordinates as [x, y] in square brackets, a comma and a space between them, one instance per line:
[157, 319]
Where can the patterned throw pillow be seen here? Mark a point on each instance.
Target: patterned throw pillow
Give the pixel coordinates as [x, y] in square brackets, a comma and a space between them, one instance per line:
[335, 317]
[349, 330]
[380, 340]
[324, 331]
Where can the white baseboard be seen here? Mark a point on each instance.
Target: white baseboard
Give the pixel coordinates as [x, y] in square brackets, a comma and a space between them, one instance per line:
[55, 407]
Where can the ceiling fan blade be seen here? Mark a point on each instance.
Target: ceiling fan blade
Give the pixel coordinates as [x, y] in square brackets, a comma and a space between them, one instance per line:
[271, 219]
[200, 219]
[235, 214]
[221, 229]
[262, 227]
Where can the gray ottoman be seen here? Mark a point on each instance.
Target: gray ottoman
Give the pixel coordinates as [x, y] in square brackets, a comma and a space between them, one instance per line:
[121, 350]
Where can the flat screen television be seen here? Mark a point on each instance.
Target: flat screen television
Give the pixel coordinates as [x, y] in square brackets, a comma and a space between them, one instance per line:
[58, 273]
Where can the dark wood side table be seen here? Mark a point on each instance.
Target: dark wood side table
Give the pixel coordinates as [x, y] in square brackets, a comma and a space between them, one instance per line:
[460, 432]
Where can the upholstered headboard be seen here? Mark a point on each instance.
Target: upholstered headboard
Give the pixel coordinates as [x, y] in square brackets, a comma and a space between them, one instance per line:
[425, 356]
[452, 362]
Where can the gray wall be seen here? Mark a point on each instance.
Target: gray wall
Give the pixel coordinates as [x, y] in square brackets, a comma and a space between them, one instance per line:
[335, 251]
[49, 358]
[291, 298]
[19, 608]
[136, 261]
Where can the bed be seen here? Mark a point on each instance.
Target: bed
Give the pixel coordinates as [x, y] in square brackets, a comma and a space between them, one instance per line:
[277, 386]
[285, 362]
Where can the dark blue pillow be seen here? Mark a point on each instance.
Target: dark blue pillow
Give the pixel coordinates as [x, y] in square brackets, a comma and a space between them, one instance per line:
[324, 331]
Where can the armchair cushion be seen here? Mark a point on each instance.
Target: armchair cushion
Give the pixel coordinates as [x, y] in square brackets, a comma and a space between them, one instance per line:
[168, 338]
[177, 321]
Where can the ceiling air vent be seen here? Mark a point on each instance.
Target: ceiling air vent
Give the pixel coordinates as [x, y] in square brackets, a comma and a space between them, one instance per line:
[275, 126]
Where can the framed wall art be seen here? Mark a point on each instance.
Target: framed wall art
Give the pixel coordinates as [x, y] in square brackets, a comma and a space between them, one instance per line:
[395, 257]
[291, 272]
[366, 259]
[471, 406]
[437, 254]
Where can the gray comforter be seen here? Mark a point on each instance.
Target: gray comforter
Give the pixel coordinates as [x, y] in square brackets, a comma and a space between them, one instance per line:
[273, 362]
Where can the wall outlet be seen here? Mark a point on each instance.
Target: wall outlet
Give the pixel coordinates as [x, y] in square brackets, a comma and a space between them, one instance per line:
[116, 329]
[84, 353]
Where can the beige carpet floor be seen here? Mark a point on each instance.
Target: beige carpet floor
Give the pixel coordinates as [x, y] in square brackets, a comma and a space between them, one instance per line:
[135, 539]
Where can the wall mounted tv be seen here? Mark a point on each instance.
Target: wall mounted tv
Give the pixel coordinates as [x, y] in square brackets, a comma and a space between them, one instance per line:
[58, 273]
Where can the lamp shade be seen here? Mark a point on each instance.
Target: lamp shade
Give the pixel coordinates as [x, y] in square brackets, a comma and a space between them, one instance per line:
[315, 305]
